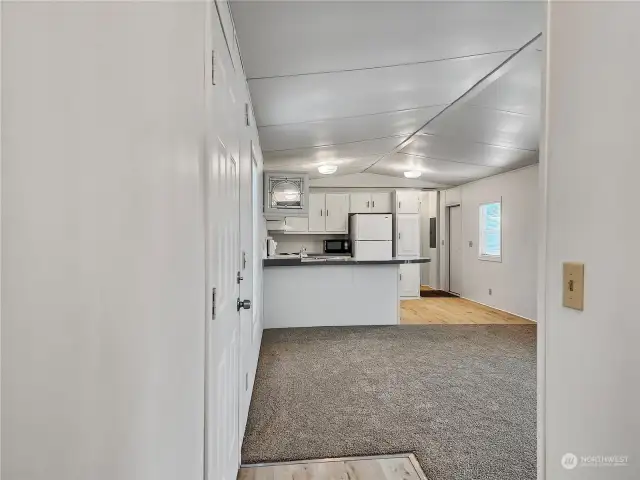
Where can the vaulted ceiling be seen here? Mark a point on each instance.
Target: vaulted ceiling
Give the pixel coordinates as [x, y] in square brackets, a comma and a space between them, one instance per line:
[451, 89]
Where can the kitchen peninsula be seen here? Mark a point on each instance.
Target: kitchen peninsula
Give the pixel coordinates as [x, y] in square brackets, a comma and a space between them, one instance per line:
[332, 291]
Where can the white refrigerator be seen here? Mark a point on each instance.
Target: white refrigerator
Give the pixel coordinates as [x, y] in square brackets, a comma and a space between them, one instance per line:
[371, 236]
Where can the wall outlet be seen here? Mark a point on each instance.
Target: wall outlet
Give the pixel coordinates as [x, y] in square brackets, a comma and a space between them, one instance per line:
[490, 291]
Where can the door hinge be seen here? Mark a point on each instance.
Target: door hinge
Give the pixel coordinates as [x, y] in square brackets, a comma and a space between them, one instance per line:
[213, 67]
[213, 304]
[246, 114]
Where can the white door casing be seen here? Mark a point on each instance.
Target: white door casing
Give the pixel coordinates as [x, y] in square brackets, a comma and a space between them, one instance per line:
[455, 249]
[245, 278]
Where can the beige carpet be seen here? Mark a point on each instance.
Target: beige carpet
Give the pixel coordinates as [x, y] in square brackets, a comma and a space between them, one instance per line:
[461, 397]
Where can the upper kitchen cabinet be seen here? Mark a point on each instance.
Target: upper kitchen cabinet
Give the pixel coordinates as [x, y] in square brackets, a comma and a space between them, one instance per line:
[328, 212]
[370, 202]
[286, 194]
[317, 212]
[337, 212]
[381, 202]
[407, 201]
[360, 203]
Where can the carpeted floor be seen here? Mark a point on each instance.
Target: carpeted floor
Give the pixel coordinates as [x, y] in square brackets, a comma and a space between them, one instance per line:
[461, 397]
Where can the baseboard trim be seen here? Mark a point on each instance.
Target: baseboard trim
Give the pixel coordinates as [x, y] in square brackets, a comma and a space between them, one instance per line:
[500, 309]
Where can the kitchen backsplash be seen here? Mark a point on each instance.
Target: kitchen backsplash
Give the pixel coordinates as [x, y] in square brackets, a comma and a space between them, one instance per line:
[293, 243]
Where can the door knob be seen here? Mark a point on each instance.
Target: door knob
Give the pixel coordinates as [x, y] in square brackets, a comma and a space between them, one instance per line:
[246, 304]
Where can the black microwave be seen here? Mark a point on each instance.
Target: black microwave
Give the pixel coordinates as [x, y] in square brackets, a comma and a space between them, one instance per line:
[337, 246]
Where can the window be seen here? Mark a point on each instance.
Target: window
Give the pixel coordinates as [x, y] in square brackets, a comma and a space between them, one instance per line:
[491, 231]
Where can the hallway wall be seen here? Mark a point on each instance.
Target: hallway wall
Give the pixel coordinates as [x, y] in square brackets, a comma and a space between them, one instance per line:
[103, 293]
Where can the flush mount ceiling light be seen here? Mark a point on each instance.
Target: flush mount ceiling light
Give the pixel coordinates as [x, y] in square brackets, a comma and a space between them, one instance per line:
[412, 174]
[327, 169]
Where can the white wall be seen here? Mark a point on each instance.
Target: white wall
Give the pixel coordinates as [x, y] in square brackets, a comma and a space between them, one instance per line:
[590, 169]
[514, 280]
[103, 242]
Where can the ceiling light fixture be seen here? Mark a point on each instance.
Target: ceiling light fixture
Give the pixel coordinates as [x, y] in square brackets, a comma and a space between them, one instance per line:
[327, 169]
[412, 174]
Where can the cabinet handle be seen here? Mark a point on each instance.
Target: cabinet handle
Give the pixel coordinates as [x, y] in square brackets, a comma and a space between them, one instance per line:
[327, 212]
[400, 276]
[320, 212]
[399, 204]
[373, 204]
[367, 203]
[399, 235]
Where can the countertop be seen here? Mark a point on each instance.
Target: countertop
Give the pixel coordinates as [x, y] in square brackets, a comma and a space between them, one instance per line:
[296, 261]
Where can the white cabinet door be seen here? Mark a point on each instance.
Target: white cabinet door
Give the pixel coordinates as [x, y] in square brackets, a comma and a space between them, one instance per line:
[337, 212]
[316, 212]
[407, 235]
[381, 202]
[407, 201]
[360, 203]
[297, 224]
[409, 285]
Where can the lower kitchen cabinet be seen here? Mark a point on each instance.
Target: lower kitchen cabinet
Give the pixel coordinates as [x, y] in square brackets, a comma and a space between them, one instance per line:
[409, 280]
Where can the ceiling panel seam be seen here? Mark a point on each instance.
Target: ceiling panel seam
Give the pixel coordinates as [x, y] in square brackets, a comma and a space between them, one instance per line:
[448, 160]
[506, 147]
[396, 65]
[460, 98]
[348, 117]
[312, 147]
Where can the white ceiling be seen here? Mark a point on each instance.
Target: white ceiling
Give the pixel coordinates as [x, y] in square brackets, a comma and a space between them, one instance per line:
[348, 82]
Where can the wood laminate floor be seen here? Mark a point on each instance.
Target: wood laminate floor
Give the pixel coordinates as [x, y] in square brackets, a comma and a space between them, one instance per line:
[387, 467]
[454, 311]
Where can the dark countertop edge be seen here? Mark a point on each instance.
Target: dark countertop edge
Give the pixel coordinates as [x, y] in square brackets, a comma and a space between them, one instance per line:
[296, 262]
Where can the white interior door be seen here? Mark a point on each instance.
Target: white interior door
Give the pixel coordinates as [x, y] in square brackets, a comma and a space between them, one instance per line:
[222, 213]
[455, 250]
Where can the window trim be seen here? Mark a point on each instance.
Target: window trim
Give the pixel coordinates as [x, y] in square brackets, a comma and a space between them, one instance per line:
[483, 256]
